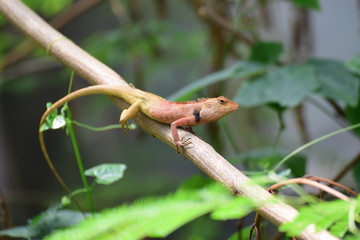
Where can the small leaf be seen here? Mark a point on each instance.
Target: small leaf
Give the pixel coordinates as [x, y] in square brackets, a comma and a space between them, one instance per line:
[65, 201]
[312, 4]
[287, 86]
[58, 122]
[53, 120]
[266, 52]
[336, 82]
[106, 173]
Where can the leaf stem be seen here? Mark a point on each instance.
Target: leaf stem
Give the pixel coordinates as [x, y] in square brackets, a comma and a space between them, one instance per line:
[314, 142]
[71, 133]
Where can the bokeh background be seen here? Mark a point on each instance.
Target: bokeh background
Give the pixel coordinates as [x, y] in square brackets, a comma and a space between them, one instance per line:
[161, 46]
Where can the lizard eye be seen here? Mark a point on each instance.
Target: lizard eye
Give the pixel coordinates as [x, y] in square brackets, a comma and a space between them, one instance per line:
[222, 101]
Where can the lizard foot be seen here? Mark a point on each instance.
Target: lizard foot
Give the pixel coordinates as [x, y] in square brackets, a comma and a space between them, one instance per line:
[125, 127]
[185, 142]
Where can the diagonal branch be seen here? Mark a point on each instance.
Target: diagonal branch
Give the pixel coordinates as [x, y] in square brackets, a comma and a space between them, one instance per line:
[201, 153]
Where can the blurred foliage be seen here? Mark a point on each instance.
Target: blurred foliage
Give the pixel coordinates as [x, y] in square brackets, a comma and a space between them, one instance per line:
[335, 216]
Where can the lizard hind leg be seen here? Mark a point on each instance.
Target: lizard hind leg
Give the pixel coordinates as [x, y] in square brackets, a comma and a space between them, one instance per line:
[128, 114]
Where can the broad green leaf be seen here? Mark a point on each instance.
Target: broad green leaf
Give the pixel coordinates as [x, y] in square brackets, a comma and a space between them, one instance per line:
[353, 115]
[353, 65]
[106, 173]
[297, 164]
[287, 86]
[266, 52]
[336, 82]
[239, 70]
[266, 158]
[312, 4]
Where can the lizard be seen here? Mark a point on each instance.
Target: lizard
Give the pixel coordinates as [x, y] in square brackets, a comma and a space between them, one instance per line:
[175, 114]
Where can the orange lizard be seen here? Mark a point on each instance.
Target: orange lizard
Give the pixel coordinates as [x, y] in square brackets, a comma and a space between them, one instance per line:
[176, 114]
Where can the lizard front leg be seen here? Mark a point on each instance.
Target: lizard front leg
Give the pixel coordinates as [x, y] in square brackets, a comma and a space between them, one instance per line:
[129, 113]
[186, 121]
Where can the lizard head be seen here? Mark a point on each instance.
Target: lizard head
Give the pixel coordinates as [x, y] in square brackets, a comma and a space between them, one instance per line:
[215, 108]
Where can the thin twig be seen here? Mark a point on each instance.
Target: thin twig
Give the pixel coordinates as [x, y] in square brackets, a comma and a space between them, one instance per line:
[300, 120]
[315, 184]
[347, 168]
[222, 22]
[331, 183]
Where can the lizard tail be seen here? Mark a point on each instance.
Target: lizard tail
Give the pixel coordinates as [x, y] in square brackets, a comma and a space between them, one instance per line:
[127, 93]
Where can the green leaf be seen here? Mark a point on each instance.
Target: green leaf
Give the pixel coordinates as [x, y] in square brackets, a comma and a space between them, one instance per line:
[264, 159]
[312, 4]
[336, 82]
[107, 173]
[48, 8]
[54, 6]
[323, 215]
[54, 120]
[152, 217]
[353, 115]
[240, 70]
[266, 52]
[244, 234]
[353, 65]
[16, 232]
[287, 86]
[44, 223]
[235, 209]
[196, 182]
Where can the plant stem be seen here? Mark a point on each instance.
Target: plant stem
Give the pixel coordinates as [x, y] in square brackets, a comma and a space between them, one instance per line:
[71, 133]
[314, 142]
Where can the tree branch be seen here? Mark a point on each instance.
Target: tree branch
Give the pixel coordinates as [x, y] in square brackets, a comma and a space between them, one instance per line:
[200, 153]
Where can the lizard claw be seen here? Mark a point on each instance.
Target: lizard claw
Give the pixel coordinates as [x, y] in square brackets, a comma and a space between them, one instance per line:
[179, 146]
[186, 141]
[182, 144]
[125, 127]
